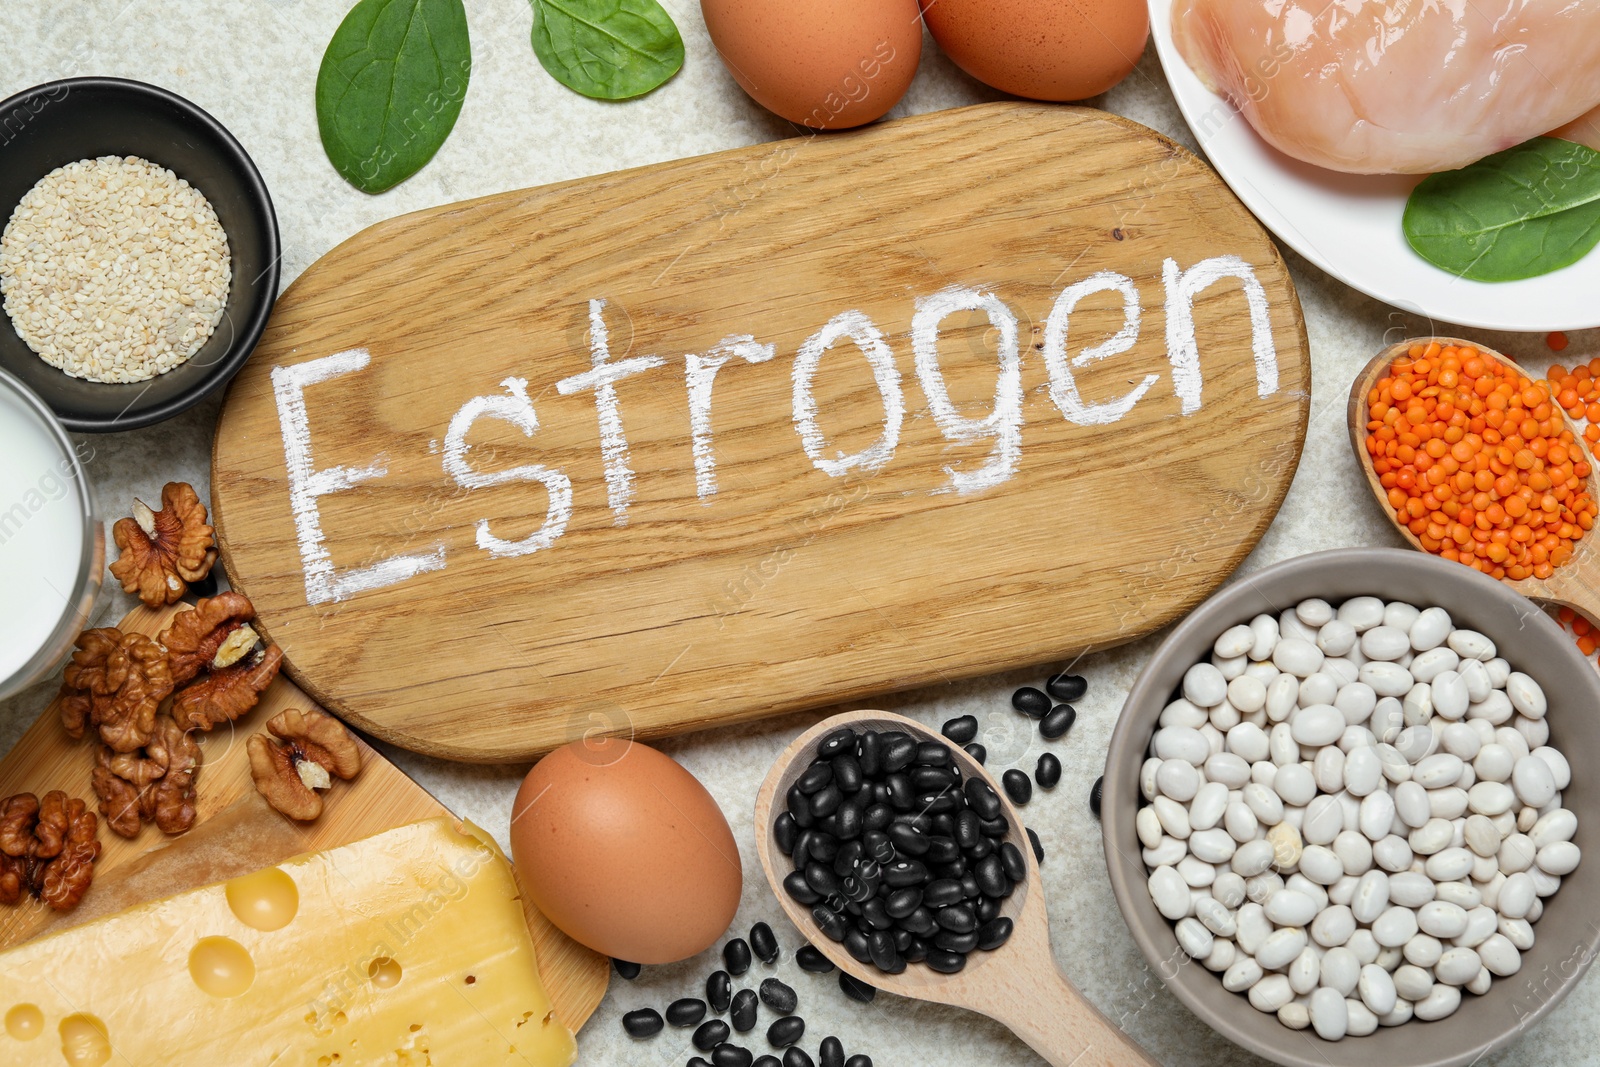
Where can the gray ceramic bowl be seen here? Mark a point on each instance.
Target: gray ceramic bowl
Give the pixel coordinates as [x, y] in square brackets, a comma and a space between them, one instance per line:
[1567, 935]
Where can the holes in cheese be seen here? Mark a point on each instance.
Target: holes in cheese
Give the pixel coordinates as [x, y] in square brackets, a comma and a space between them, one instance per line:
[25, 1022]
[365, 962]
[265, 900]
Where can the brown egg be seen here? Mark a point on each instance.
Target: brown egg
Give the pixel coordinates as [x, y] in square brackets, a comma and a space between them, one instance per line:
[828, 64]
[625, 851]
[1042, 49]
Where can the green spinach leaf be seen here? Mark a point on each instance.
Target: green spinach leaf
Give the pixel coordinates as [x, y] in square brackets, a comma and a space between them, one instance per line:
[391, 85]
[1516, 214]
[607, 49]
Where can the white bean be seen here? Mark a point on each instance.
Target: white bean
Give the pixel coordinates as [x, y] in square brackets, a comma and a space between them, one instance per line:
[1271, 993]
[1412, 982]
[1449, 864]
[1395, 926]
[1558, 765]
[1430, 664]
[1526, 697]
[1297, 657]
[1264, 637]
[1553, 826]
[1170, 893]
[1178, 779]
[1362, 612]
[1500, 956]
[1532, 779]
[1334, 926]
[1212, 846]
[1440, 1003]
[1329, 1016]
[1314, 613]
[1441, 919]
[1457, 966]
[1491, 798]
[1252, 858]
[1470, 644]
[1377, 989]
[1174, 817]
[1423, 950]
[1180, 742]
[1387, 679]
[1233, 642]
[1197, 873]
[1283, 692]
[1244, 973]
[1559, 858]
[1194, 938]
[1385, 643]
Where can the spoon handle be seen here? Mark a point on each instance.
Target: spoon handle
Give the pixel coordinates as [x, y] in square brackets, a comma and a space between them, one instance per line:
[1048, 1012]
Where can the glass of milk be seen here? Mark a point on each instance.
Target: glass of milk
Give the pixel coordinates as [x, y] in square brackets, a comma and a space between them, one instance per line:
[52, 546]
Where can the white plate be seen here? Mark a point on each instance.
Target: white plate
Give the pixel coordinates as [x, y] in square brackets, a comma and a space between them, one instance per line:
[1349, 224]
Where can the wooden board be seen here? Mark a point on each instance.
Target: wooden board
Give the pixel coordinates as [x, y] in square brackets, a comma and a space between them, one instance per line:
[424, 398]
[236, 832]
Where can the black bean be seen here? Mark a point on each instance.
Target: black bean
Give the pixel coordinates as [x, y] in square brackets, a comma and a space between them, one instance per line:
[710, 1034]
[831, 1054]
[982, 848]
[1038, 846]
[951, 941]
[860, 1059]
[743, 1011]
[903, 873]
[997, 827]
[779, 997]
[898, 752]
[962, 729]
[826, 800]
[908, 839]
[799, 806]
[719, 991]
[822, 846]
[880, 793]
[977, 752]
[786, 1031]
[624, 969]
[932, 779]
[968, 830]
[849, 854]
[726, 1055]
[901, 795]
[1030, 701]
[795, 884]
[1012, 863]
[1048, 771]
[969, 885]
[1094, 795]
[941, 893]
[902, 902]
[855, 943]
[764, 943]
[880, 945]
[851, 820]
[795, 1056]
[983, 799]
[830, 922]
[822, 879]
[841, 740]
[916, 950]
[994, 933]
[696, 1061]
[943, 850]
[991, 877]
[810, 958]
[958, 918]
[784, 831]
[1019, 787]
[686, 1011]
[938, 803]
[1065, 686]
[830, 824]
[878, 816]
[932, 754]
[815, 777]
[847, 773]
[869, 753]
[1058, 721]
[643, 1022]
[767, 1061]
[986, 909]
[856, 989]
[876, 914]
[946, 962]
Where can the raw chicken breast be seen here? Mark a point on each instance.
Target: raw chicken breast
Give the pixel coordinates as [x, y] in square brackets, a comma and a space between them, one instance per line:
[1584, 129]
[1408, 86]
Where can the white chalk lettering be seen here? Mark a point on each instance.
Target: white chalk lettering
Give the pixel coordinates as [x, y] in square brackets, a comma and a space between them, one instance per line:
[1182, 348]
[516, 409]
[867, 337]
[1063, 386]
[306, 484]
[603, 380]
[699, 374]
[1003, 424]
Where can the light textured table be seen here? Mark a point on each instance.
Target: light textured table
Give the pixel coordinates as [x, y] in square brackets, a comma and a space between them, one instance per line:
[253, 64]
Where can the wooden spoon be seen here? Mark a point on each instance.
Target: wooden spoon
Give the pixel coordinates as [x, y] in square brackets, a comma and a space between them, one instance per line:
[1017, 984]
[1576, 583]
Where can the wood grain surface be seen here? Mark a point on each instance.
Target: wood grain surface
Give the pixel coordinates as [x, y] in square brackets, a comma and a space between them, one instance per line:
[236, 832]
[802, 579]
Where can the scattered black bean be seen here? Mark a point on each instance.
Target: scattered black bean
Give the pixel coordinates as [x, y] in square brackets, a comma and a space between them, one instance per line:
[831, 1054]
[687, 1011]
[977, 752]
[696, 1061]
[1018, 786]
[767, 1061]
[786, 1031]
[811, 959]
[962, 729]
[1058, 721]
[726, 1055]
[710, 1034]
[764, 943]
[643, 1022]
[1038, 846]
[778, 996]
[1048, 771]
[624, 969]
[795, 1056]
[1030, 702]
[1068, 687]
[994, 933]
[736, 953]
[860, 1059]
[743, 1011]
[1094, 795]
[856, 989]
[719, 991]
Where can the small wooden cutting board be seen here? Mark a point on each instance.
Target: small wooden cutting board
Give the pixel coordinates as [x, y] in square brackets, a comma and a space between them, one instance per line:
[768, 429]
[235, 831]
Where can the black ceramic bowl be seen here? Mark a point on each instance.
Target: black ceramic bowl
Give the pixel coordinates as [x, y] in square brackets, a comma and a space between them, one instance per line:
[61, 122]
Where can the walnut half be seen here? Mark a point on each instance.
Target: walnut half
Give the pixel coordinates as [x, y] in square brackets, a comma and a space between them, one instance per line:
[163, 551]
[306, 750]
[155, 785]
[219, 654]
[48, 848]
[115, 682]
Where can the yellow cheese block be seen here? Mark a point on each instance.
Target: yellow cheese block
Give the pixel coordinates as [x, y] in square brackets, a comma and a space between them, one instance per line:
[407, 948]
